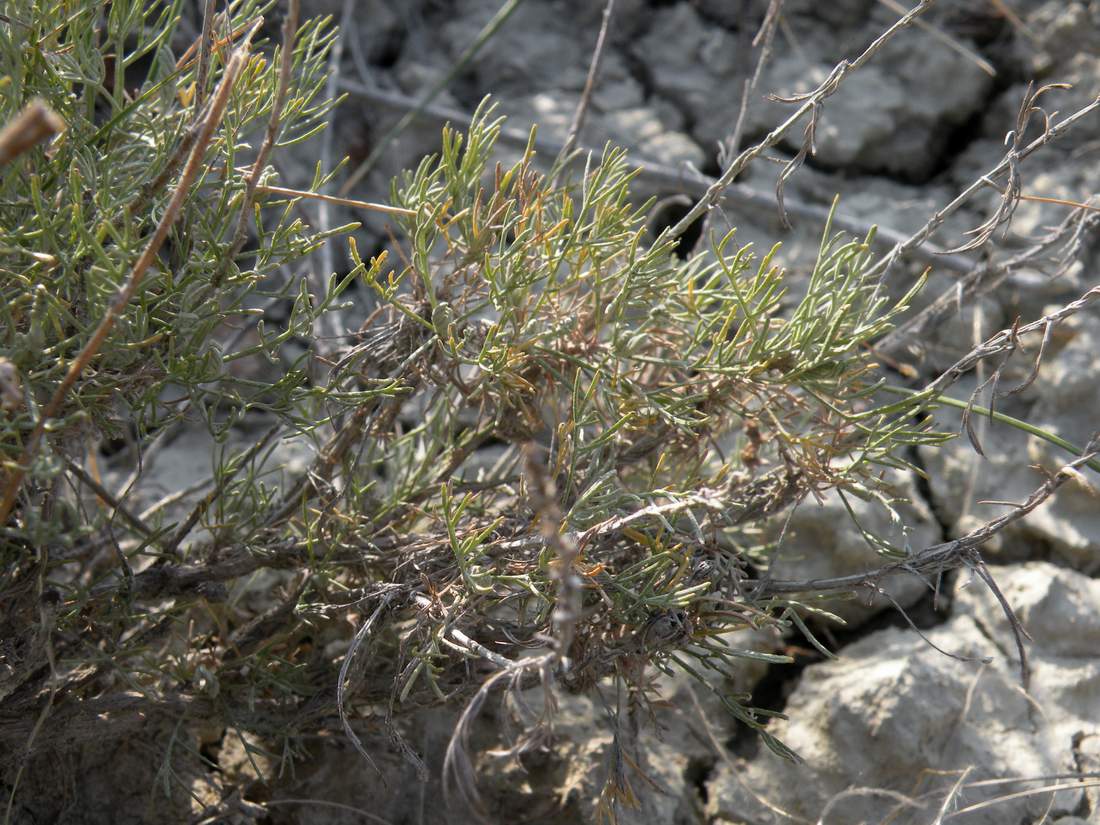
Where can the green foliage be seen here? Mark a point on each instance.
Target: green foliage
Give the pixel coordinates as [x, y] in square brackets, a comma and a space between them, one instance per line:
[676, 405]
[78, 214]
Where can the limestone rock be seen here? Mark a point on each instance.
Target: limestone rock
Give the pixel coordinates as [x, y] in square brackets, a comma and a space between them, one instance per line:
[893, 711]
[825, 540]
[1061, 401]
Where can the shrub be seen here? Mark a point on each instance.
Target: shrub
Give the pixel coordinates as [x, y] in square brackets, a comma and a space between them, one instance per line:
[546, 455]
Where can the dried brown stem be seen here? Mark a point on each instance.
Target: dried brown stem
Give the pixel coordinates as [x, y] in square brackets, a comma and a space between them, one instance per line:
[810, 104]
[544, 501]
[252, 179]
[589, 85]
[187, 141]
[35, 123]
[264, 189]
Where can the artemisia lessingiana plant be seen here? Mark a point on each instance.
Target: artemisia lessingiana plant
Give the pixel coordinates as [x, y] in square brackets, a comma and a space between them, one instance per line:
[545, 456]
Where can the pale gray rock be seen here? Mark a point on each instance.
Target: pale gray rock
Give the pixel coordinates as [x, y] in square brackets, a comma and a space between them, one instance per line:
[584, 750]
[894, 115]
[886, 203]
[1069, 181]
[893, 711]
[1057, 607]
[963, 480]
[1066, 405]
[616, 88]
[587, 15]
[650, 132]
[692, 63]
[967, 323]
[748, 13]
[1062, 401]
[644, 128]
[860, 122]
[1066, 387]
[1082, 74]
[538, 48]
[840, 13]
[1066, 28]
[824, 540]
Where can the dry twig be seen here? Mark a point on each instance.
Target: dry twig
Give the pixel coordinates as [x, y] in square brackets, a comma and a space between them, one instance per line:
[36, 123]
[589, 85]
[811, 104]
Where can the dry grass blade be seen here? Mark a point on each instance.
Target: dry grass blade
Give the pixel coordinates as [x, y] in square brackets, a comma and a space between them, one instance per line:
[989, 803]
[949, 41]
[266, 189]
[205, 46]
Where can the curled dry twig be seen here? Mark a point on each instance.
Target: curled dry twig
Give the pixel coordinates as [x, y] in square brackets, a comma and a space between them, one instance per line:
[1064, 243]
[1053, 132]
[811, 104]
[342, 683]
[1010, 193]
[938, 558]
[1005, 341]
[459, 774]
